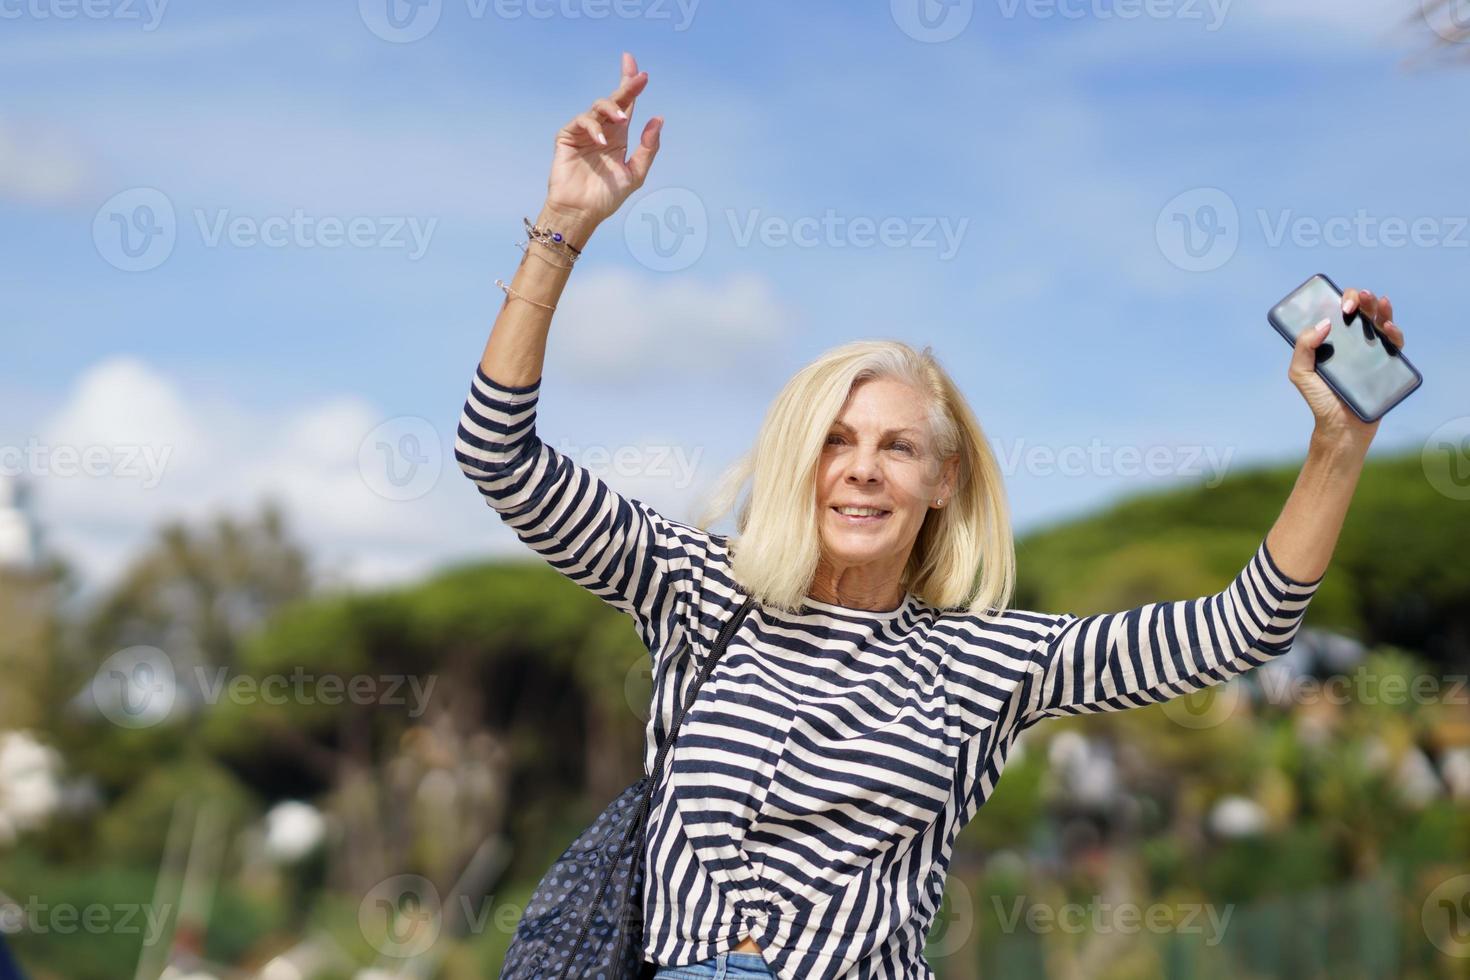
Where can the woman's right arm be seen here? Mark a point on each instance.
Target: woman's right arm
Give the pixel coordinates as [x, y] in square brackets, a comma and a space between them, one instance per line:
[618, 548]
[589, 181]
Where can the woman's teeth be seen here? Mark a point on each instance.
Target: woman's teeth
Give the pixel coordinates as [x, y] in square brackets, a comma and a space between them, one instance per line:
[861, 515]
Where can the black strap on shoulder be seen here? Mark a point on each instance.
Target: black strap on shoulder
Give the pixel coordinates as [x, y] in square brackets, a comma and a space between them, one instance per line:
[709, 665]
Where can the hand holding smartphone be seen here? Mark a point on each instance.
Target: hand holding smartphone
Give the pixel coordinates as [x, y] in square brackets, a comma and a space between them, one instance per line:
[1357, 361]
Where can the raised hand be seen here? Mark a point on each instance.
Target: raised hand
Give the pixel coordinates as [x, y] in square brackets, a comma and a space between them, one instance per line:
[590, 178]
[1334, 419]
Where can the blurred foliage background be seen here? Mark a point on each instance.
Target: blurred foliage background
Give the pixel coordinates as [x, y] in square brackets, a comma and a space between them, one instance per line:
[1265, 831]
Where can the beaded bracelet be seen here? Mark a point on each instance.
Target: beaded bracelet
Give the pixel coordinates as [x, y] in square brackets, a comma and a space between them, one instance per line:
[541, 255]
[554, 240]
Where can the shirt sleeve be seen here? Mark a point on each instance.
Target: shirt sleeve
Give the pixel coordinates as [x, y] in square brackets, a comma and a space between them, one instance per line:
[616, 547]
[1163, 650]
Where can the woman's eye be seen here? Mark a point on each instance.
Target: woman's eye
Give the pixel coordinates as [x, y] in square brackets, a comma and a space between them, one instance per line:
[833, 439]
[903, 447]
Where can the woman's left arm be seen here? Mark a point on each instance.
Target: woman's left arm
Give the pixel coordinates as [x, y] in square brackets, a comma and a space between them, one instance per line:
[1160, 651]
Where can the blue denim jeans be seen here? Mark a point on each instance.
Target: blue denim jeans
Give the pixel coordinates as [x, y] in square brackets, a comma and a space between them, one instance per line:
[728, 965]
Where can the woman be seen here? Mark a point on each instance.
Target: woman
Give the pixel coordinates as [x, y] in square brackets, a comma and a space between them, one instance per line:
[863, 710]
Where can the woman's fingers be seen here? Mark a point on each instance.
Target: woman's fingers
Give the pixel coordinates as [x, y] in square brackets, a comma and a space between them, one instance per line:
[1378, 309]
[609, 110]
[1304, 351]
[629, 89]
[582, 130]
[1359, 299]
[630, 70]
[588, 123]
[642, 157]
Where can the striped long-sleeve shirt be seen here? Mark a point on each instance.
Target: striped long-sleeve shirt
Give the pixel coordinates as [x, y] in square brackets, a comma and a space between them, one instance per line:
[814, 793]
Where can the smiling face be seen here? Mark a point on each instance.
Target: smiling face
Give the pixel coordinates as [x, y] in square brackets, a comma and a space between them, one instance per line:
[879, 455]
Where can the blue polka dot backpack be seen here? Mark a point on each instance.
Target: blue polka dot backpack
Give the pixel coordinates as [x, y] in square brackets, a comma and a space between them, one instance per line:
[585, 918]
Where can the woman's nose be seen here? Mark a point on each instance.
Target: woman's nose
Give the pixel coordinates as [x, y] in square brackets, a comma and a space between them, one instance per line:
[863, 467]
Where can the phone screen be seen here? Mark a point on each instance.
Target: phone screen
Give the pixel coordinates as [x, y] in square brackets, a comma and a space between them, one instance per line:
[1354, 359]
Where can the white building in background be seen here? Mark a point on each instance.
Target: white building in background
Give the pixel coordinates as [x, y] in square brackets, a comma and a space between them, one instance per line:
[20, 538]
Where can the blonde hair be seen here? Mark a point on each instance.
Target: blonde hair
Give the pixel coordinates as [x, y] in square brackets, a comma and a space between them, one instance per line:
[964, 556]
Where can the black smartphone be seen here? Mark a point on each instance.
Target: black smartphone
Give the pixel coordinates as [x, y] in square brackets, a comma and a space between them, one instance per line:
[1356, 360]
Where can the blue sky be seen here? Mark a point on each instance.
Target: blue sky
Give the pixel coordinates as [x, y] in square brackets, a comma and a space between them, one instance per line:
[1064, 146]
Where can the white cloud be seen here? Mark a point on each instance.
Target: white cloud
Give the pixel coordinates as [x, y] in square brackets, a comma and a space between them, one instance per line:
[139, 447]
[38, 165]
[614, 325]
[160, 454]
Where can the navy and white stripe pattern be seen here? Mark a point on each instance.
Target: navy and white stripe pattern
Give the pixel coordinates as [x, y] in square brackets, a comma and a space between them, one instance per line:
[818, 783]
